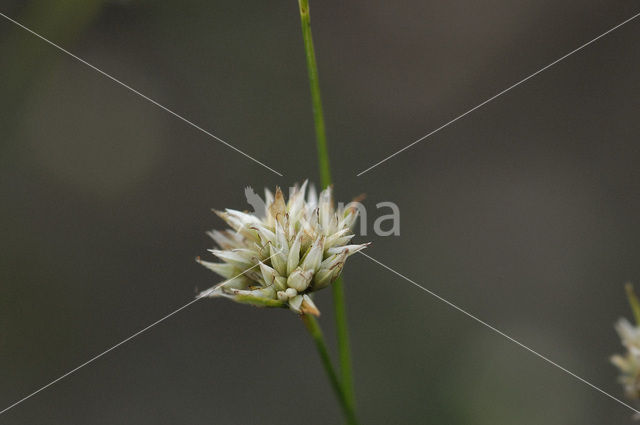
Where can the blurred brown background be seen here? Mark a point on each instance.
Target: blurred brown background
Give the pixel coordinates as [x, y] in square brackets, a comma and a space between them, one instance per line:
[525, 212]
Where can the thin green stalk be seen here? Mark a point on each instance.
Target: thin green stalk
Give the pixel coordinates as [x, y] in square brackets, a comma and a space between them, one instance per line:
[325, 177]
[633, 302]
[316, 100]
[344, 348]
[316, 333]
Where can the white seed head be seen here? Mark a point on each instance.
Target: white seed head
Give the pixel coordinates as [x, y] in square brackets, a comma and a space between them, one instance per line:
[298, 247]
[629, 363]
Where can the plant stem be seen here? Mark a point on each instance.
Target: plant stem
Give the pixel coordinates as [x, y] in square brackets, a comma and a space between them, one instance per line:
[316, 333]
[344, 348]
[316, 100]
[342, 330]
[633, 302]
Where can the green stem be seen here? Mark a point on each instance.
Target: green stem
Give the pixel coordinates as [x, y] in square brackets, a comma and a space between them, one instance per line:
[316, 333]
[633, 302]
[316, 100]
[325, 177]
[344, 348]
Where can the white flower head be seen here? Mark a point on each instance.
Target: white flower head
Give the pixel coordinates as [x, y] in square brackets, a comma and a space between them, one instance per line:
[629, 363]
[298, 247]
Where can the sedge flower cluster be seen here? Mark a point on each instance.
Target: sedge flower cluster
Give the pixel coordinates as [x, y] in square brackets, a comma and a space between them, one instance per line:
[278, 260]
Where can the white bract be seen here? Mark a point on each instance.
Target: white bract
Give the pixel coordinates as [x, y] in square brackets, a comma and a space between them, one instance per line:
[629, 363]
[278, 260]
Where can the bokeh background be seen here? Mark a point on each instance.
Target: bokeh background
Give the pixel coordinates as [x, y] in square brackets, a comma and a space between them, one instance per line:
[525, 212]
